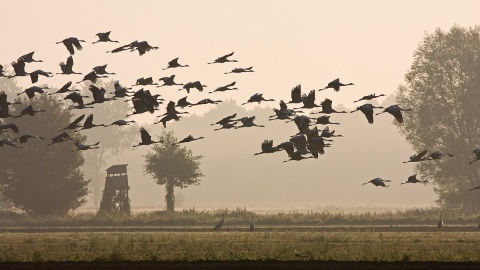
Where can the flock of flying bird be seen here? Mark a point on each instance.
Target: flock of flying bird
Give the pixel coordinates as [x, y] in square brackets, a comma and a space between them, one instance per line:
[309, 142]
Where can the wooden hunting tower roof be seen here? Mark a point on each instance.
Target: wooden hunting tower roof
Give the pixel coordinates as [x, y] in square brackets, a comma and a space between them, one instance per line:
[117, 169]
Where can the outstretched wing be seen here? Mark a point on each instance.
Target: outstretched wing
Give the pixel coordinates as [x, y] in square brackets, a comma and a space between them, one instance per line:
[174, 62]
[296, 94]
[76, 121]
[223, 58]
[77, 44]
[88, 121]
[231, 84]
[144, 135]
[267, 145]
[421, 154]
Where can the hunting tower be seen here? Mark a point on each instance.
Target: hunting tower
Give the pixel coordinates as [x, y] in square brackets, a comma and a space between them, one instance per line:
[115, 195]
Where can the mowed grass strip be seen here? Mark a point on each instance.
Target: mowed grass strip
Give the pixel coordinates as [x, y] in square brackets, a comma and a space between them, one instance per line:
[192, 246]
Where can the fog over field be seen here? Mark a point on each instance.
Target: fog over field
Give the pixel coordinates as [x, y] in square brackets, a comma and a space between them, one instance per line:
[368, 43]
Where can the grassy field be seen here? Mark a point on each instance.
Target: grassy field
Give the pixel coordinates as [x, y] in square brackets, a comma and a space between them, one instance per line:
[292, 245]
[242, 217]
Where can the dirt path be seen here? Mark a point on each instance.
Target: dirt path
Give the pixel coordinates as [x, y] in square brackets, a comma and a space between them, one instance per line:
[344, 228]
[232, 265]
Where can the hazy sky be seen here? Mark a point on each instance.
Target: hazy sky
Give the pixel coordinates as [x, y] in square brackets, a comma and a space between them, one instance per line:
[369, 43]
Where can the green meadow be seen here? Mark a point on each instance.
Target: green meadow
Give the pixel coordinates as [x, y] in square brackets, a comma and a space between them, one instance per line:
[285, 245]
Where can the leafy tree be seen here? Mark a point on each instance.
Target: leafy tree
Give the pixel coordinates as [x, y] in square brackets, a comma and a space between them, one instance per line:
[172, 165]
[41, 179]
[442, 87]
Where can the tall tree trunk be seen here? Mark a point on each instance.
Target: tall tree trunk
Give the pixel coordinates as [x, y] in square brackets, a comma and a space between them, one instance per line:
[170, 196]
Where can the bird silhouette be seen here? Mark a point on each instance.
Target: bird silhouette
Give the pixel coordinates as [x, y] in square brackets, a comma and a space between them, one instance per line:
[302, 122]
[62, 137]
[219, 225]
[28, 58]
[377, 182]
[104, 37]
[143, 101]
[171, 114]
[474, 188]
[142, 47]
[196, 84]
[268, 148]
[83, 147]
[293, 154]
[98, 94]
[413, 179]
[296, 94]
[316, 145]
[75, 97]
[166, 118]
[367, 110]
[121, 122]
[396, 111]
[327, 107]
[308, 100]
[257, 98]
[227, 126]
[417, 157]
[146, 138]
[280, 115]
[88, 124]
[226, 120]
[183, 103]
[335, 84]
[171, 109]
[34, 75]
[102, 70]
[206, 101]
[121, 48]
[324, 120]
[24, 138]
[145, 81]
[284, 112]
[70, 43]
[326, 133]
[187, 139]
[32, 90]
[477, 156]
[120, 91]
[438, 155]
[223, 59]
[300, 142]
[75, 123]
[67, 68]
[8, 142]
[28, 111]
[225, 88]
[174, 64]
[92, 77]
[168, 81]
[11, 126]
[18, 68]
[240, 70]
[248, 122]
[369, 97]
[64, 89]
